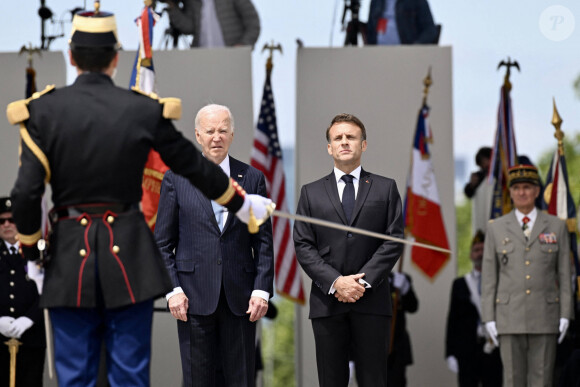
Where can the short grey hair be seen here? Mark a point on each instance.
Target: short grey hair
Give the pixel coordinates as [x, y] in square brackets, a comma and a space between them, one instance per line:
[214, 108]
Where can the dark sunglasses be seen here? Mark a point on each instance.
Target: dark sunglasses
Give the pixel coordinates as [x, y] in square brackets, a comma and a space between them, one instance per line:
[9, 220]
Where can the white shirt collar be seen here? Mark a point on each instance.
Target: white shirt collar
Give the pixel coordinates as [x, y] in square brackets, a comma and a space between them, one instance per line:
[356, 174]
[8, 245]
[532, 215]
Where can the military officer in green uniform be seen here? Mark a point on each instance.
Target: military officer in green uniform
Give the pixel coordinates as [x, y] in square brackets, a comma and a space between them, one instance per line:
[526, 284]
[90, 141]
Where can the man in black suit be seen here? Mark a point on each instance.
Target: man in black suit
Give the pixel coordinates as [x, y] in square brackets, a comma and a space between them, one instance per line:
[468, 350]
[20, 316]
[350, 300]
[222, 275]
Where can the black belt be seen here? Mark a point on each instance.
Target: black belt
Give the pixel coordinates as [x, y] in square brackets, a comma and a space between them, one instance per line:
[96, 209]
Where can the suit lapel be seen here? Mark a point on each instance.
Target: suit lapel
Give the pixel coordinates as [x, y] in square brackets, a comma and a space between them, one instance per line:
[238, 171]
[205, 203]
[332, 192]
[364, 185]
[514, 227]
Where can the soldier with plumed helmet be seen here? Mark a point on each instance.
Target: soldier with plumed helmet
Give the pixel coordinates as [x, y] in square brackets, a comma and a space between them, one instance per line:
[90, 141]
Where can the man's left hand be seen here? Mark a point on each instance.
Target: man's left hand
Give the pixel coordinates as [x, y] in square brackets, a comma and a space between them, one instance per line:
[257, 308]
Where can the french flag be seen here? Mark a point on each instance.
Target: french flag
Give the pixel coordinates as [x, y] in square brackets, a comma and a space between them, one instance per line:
[422, 213]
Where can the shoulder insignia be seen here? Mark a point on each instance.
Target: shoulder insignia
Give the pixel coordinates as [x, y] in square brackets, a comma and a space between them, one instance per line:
[151, 95]
[171, 108]
[17, 111]
[490, 221]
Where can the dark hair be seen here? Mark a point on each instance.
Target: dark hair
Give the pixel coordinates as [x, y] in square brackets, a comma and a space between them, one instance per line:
[479, 237]
[94, 59]
[345, 117]
[482, 153]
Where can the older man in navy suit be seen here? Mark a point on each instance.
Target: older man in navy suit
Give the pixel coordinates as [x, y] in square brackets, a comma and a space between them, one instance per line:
[222, 275]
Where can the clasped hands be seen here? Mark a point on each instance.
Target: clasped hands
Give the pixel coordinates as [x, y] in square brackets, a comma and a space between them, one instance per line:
[348, 289]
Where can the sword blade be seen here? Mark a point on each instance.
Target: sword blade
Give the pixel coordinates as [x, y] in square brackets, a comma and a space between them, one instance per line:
[338, 226]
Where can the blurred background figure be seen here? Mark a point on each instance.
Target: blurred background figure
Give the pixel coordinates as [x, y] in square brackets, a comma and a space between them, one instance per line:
[479, 191]
[400, 354]
[215, 23]
[468, 351]
[20, 316]
[394, 22]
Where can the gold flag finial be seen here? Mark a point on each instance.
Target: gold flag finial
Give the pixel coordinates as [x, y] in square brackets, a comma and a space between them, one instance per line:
[509, 64]
[271, 48]
[427, 82]
[30, 51]
[557, 122]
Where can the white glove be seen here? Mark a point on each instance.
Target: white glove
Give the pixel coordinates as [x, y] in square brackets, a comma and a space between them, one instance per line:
[19, 326]
[492, 330]
[452, 364]
[36, 273]
[401, 282]
[6, 325]
[261, 207]
[564, 323]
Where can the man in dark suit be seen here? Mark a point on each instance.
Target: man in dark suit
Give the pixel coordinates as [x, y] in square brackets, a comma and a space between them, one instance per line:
[350, 300]
[222, 275]
[91, 141]
[468, 350]
[20, 316]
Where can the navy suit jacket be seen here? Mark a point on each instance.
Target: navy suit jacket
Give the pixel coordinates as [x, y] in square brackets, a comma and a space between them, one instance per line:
[200, 258]
[325, 254]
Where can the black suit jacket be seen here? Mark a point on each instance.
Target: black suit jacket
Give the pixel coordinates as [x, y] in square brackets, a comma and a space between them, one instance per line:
[462, 321]
[200, 258]
[325, 254]
[96, 138]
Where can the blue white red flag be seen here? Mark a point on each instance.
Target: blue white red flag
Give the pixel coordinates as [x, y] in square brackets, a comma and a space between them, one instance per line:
[558, 201]
[503, 157]
[422, 210]
[143, 79]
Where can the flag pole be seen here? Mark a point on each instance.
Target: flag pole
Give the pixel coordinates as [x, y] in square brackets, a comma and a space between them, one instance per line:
[427, 82]
[570, 223]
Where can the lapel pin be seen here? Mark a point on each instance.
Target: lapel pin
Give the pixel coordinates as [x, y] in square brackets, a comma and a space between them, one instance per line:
[240, 176]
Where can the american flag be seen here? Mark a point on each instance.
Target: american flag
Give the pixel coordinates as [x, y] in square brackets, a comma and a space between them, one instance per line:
[267, 157]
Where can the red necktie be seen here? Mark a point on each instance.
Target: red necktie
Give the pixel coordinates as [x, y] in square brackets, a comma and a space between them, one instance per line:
[525, 222]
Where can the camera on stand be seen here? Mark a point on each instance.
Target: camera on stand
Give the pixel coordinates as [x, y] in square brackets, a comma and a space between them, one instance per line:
[354, 26]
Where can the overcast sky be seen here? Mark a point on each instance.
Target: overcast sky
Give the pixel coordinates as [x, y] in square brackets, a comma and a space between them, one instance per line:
[541, 35]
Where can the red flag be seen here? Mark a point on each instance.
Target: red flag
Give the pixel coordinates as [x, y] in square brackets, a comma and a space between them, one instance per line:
[423, 217]
[143, 78]
[267, 157]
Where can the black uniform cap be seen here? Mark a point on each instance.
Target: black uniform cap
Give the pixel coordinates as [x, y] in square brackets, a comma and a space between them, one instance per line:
[5, 205]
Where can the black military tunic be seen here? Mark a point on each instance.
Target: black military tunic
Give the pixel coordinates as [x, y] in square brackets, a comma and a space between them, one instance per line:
[19, 297]
[91, 141]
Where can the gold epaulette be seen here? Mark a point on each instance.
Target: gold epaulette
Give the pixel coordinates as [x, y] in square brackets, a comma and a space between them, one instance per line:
[30, 240]
[171, 106]
[17, 111]
[490, 221]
